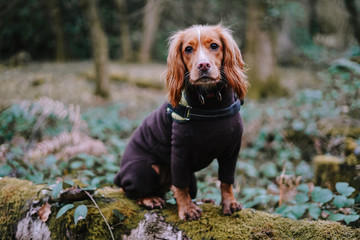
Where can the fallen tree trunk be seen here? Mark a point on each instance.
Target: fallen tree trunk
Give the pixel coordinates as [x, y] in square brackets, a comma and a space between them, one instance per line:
[20, 201]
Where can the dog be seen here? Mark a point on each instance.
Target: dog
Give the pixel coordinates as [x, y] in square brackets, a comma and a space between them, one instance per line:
[206, 82]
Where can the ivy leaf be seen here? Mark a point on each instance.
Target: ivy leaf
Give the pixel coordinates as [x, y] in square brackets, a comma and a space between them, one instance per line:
[64, 209]
[281, 209]
[303, 188]
[118, 214]
[50, 160]
[350, 202]
[336, 217]
[344, 188]
[299, 210]
[251, 204]
[269, 169]
[56, 190]
[5, 170]
[314, 211]
[80, 213]
[351, 218]
[76, 165]
[340, 201]
[301, 198]
[321, 195]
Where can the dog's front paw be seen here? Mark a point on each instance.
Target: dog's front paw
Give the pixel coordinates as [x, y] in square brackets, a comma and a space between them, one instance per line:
[152, 202]
[189, 212]
[229, 207]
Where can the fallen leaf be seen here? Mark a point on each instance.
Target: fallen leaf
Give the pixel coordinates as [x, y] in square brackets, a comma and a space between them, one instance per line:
[44, 212]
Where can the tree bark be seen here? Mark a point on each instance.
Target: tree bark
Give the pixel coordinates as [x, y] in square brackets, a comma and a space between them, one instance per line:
[99, 48]
[58, 28]
[125, 40]
[354, 18]
[313, 21]
[21, 218]
[151, 21]
[260, 53]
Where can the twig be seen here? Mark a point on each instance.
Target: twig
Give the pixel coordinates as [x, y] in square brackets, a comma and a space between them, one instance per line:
[107, 224]
[281, 189]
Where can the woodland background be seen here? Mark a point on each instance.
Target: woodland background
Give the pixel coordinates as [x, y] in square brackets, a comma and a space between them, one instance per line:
[78, 77]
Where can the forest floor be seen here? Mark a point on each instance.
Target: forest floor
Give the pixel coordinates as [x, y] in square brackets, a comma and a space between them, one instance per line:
[139, 86]
[291, 129]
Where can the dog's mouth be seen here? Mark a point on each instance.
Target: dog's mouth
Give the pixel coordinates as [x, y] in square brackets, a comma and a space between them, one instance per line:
[206, 80]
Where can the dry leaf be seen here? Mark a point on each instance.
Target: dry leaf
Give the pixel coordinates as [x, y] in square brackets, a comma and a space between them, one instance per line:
[44, 212]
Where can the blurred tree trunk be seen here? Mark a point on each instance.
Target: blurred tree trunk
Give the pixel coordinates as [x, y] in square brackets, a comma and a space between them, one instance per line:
[260, 52]
[58, 28]
[354, 18]
[152, 13]
[99, 48]
[313, 21]
[334, 27]
[124, 30]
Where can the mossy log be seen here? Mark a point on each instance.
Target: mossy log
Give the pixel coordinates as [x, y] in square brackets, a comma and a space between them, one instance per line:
[20, 201]
[331, 169]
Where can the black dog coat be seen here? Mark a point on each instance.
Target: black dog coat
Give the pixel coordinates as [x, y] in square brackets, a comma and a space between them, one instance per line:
[182, 147]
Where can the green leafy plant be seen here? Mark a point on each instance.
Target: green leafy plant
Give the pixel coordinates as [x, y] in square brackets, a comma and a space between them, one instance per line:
[65, 191]
[322, 203]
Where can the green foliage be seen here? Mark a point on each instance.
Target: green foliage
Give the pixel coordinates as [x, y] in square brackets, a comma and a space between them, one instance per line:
[107, 128]
[56, 190]
[118, 214]
[344, 188]
[322, 203]
[64, 209]
[80, 213]
[287, 132]
[33, 121]
[282, 133]
[258, 197]
[14, 120]
[321, 195]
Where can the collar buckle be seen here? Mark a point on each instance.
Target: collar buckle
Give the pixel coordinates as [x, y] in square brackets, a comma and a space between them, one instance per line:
[187, 113]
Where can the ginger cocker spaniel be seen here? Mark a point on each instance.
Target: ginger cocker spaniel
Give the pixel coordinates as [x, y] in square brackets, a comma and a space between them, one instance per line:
[199, 123]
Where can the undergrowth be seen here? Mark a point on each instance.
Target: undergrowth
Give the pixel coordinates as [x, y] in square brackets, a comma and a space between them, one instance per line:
[46, 141]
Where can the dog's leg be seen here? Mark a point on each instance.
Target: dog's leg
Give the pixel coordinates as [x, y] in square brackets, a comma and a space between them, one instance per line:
[228, 202]
[187, 210]
[164, 184]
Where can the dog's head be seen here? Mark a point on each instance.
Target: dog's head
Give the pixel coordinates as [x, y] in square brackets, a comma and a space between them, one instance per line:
[204, 55]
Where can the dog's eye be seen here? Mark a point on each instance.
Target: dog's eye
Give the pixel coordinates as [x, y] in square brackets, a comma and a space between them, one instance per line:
[189, 49]
[214, 46]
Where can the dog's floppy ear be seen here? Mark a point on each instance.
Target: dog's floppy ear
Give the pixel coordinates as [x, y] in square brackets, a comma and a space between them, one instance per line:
[233, 64]
[175, 69]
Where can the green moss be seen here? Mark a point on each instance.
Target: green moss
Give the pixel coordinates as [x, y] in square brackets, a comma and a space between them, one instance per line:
[246, 224]
[14, 194]
[263, 89]
[249, 224]
[350, 145]
[349, 131]
[94, 226]
[329, 170]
